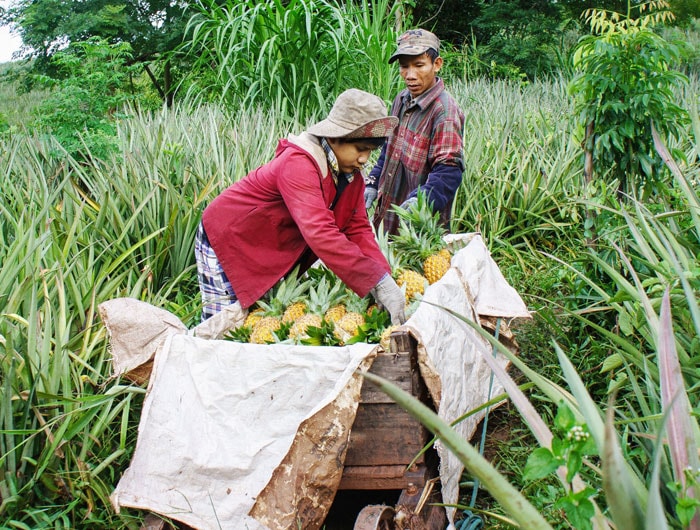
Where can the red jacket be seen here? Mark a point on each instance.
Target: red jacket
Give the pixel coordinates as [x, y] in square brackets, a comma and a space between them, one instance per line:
[260, 226]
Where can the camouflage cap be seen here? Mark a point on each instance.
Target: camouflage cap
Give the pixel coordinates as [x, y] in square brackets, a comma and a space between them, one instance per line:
[415, 42]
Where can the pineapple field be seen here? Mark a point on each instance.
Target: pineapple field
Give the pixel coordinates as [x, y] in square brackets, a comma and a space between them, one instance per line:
[606, 261]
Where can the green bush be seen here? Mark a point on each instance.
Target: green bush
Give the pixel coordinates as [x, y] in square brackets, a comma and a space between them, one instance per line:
[625, 81]
[82, 107]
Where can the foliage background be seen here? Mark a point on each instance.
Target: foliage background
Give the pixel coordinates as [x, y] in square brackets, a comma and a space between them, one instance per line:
[104, 179]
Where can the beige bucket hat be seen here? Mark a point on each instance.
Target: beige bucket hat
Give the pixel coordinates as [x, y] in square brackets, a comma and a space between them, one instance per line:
[356, 114]
[415, 42]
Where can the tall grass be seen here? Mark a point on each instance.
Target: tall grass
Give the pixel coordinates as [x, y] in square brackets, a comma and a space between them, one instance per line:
[293, 57]
[523, 168]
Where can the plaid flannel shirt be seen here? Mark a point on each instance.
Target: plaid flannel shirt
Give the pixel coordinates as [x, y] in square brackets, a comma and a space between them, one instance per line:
[425, 150]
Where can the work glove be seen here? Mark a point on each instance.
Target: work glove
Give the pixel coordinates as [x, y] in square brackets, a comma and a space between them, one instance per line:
[409, 203]
[370, 196]
[390, 297]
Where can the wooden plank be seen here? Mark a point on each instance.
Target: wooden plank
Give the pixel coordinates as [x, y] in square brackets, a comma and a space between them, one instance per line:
[383, 477]
[393, 367]
[384, 434]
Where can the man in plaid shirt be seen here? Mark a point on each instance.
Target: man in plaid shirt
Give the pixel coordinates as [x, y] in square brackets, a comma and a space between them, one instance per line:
[425, 151]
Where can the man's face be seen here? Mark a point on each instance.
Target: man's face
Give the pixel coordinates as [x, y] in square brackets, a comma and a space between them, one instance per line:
[418, 72]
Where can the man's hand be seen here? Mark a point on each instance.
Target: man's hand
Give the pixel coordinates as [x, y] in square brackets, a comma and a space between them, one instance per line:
[409, 203]
[370, 196]
[390, 297]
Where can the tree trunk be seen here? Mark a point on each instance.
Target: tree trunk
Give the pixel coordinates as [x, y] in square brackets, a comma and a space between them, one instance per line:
[168, 84]
[154, 81]
[403, 13]
[588, 176]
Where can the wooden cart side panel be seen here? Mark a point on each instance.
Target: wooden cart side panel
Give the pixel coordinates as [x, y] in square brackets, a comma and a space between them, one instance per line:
[383, 477]
[383, 434]
[384, 437]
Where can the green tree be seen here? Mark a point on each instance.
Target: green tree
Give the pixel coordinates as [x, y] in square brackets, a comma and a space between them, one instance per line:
[625, 83]
[80, 110]
[519, 34]
[153, 29]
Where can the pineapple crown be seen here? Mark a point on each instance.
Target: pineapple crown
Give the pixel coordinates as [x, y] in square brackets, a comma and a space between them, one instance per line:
[288, 290]
[326, 291]
[419, 234]
[356, 304]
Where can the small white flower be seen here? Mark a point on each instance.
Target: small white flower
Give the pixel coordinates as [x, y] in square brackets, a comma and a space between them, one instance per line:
[577, 434]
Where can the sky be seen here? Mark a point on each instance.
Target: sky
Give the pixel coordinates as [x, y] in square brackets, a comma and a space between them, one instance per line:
[8, 43]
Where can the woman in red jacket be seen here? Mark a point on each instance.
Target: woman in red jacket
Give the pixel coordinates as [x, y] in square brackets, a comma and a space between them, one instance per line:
[306, 203]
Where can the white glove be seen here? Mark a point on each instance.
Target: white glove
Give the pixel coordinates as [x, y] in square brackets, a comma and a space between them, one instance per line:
[409, 203]
[370, 196]
[390, 297]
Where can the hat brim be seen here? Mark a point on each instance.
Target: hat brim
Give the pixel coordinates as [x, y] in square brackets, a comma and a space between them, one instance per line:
[379, 128]
[409, 50]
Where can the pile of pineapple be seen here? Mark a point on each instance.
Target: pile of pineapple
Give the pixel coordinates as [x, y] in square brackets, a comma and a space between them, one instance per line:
[313, 309]
[318, 309]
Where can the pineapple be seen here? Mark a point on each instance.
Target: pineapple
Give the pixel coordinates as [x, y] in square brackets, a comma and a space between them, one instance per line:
[335, 302]
[264, 330]
[290, 293]
[253, 317]
[294, 311]
[347, 326]
[319, 294]
[435, 266]
[412, 282]
[299, 329]
[385, 338]
[335, 313]
[280, 301]
[420, 240]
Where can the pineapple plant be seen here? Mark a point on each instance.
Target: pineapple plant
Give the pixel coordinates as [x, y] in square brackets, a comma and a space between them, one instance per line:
[420, 240]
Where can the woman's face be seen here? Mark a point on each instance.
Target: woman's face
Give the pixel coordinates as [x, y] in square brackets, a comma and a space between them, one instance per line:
[351, 156]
